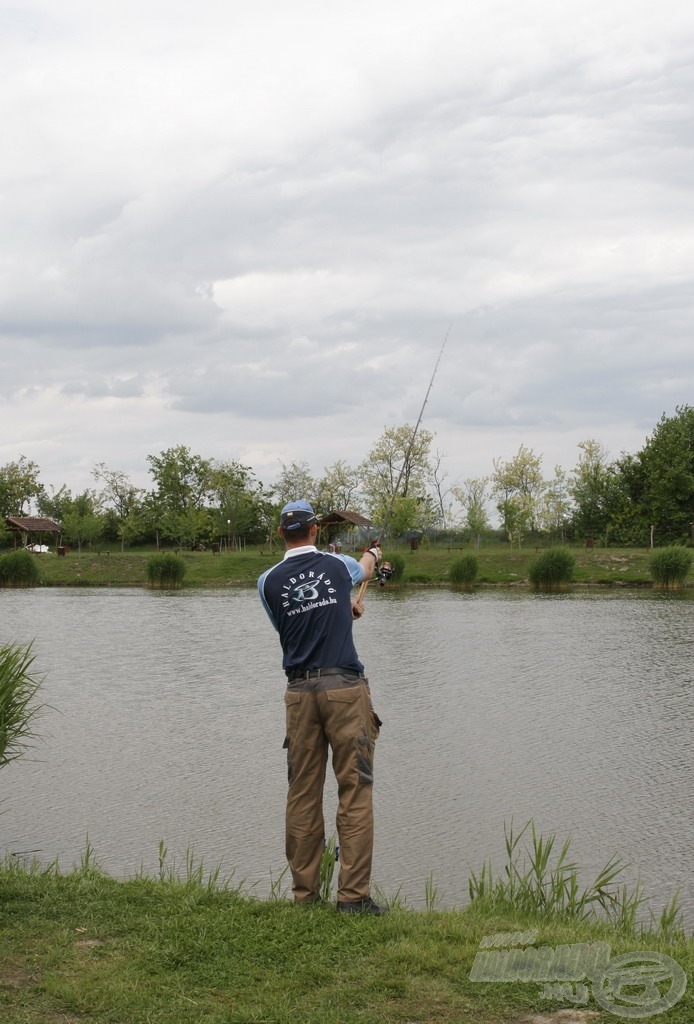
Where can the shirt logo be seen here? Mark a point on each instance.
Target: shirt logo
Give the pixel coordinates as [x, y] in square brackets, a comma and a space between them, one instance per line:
[305, 592]
[304, 589]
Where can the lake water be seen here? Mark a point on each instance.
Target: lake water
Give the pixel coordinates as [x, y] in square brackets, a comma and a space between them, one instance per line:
[167, 723]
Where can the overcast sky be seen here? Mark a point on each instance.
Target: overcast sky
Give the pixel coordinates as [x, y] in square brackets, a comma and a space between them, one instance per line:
[247, 228]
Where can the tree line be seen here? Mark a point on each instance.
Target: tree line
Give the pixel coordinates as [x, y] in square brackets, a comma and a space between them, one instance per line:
[193, 500]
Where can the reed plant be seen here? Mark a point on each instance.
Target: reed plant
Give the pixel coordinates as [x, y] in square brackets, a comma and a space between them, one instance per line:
[19, 569]
[552, 570]
[193, 874]
[538, 881]
[431, 892]
[165, 570]
[463, 571]
[670, 566]
[18, 707]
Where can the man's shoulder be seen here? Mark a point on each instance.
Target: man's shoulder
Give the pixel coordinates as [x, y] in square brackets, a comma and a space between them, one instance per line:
[264, 575]
[312, 558]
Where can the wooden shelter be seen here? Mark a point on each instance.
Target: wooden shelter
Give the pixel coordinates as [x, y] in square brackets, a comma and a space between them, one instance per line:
[342, 519]
[23, 526]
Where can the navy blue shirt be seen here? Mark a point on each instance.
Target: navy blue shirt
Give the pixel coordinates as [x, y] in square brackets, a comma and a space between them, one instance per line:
[308, 599]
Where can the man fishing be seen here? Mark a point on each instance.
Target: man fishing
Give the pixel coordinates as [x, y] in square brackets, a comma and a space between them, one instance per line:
[328, 703]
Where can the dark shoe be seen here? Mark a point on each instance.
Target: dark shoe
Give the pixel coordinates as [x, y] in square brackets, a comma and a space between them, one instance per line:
[366, 906]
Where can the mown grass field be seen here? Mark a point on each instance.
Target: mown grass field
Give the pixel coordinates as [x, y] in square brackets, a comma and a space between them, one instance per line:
[83, 948]
[498, 565]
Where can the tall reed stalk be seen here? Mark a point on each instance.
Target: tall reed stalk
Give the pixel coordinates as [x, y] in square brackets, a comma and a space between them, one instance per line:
[542, 881]
[166, 570]
[669, 567]
[552, 570]
[18, 708]
[19, 569]
[463, 571]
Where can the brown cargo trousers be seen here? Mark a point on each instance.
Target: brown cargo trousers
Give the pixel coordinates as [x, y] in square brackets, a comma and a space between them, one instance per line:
[343, 718]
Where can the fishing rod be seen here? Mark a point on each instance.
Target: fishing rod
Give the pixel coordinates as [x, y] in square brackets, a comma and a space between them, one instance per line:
[386, 570]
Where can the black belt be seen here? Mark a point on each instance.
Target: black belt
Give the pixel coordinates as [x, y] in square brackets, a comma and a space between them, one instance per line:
[316, 673]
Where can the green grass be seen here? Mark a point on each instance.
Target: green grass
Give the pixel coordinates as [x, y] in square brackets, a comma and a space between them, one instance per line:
[83, 947]
[429, 566]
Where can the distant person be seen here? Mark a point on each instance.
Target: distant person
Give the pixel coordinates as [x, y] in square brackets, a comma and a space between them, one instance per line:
[308, 599]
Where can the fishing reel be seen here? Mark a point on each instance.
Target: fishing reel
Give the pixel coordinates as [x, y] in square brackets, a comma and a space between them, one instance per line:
[383, 573]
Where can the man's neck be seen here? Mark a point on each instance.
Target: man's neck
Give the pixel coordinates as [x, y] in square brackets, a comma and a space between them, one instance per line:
[299, 549]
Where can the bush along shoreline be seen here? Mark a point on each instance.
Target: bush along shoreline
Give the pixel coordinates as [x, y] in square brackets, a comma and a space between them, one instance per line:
[430, 566]
[186, 946]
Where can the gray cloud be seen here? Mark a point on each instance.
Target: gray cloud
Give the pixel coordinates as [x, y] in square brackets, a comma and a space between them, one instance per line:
[271, 222]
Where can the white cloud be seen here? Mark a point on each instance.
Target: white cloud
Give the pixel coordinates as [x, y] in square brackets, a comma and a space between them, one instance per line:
[247, 229]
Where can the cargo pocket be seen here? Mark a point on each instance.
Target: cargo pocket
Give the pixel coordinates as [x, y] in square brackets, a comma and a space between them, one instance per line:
[291, 703]
[292, 699]
[365, 760]
[347, 695]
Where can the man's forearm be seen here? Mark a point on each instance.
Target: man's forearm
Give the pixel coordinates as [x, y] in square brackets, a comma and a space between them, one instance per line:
[369, 560]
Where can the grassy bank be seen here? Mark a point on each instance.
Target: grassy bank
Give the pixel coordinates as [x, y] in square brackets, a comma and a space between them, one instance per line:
[83, 948]
[498, 566]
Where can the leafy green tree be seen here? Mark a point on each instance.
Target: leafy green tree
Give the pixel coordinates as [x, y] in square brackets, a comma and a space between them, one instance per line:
[80, 515]
[294, 483]
[57, 504]
[628, 521]
[132, 526]
[121, 501]
[394, 457]
[410, 513]
[240, 506]
[516, 515]
[555, 504]
[518, 487]
[443, 492]
[183, 489]
[19, 487]
[338, 488]
[472, 494]
[187, 528]
[667, 467]
[594, 491]
[82, 520]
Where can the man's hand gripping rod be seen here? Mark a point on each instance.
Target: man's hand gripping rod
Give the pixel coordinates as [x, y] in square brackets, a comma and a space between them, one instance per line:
[382, 571]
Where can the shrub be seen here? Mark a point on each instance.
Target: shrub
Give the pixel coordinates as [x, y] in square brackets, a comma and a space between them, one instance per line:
[398, 563]
[552, 570]
[18, 569]
[669, 567]
[17, 708]
[463, 571]
[165, 570]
